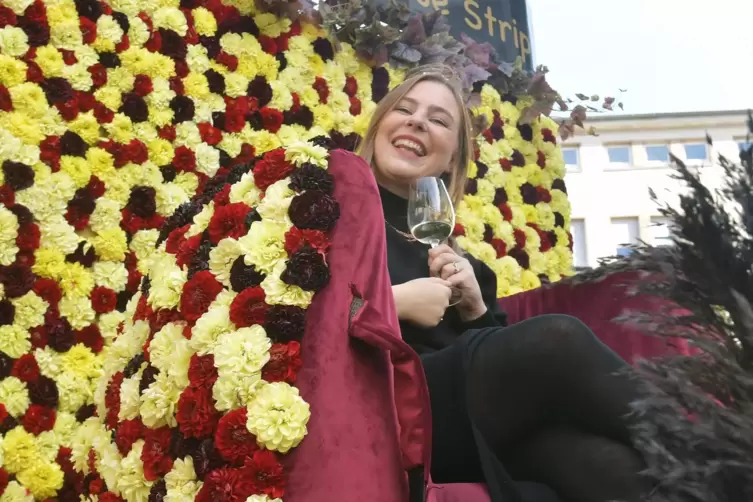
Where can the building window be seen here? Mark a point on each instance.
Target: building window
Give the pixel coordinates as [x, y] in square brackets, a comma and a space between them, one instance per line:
[578, 230]
[625, 232]
[572, 158]
[657, 153]
[659, 232]
[696, 151]
[619, 154]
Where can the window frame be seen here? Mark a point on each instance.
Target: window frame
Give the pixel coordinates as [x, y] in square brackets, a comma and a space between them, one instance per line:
[572, 168]
[617, 164]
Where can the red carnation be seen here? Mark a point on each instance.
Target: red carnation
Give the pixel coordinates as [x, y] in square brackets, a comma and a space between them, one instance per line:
[7, 17]
[154, 455]
[506, 211]
[154, 44]
[209, 134]
[268, 44]
[7, 196]
[88, 30]
[271, 168]
[320, 86]
[34, 72]
[175, 238]
[68, 109]
[543, 195]
[129, 431]
[201, 371]
[198, 293]
[228, 221]
[167, 132]
[138, 153]
[458, 230]
[103, 114]
[230, 61]
[69, 57]
[26, 368]
[500, 247]
[109, 497]
[4, 476]
[197, 417]
[266, 473]
[506, 164]
[85, 101]
[38, 419]
[103, 299]
[355, 106]
[295, 239]
[225, 484]
[232, 439]
[351, 86]
[520, 238]
[234, 121]
[3, 413]
[6, 104]
[541, 159]
[249, 308]
[284, 362]
[123, 45]
[187, 249]
[112, 400]
[184, 159]
[28, 237]
[91, 337]
[99, 74]
[142, 85]
[271, 118]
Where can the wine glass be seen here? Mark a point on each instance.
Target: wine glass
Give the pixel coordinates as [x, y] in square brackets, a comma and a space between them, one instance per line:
[431, 217]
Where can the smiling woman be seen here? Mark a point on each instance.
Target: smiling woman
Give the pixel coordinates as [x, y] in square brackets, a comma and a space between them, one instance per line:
[516, 395]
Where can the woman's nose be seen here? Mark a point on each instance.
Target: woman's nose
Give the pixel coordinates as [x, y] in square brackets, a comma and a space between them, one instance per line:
[417, 122]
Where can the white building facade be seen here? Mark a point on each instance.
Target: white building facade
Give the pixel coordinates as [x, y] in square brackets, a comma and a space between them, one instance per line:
[609, 175]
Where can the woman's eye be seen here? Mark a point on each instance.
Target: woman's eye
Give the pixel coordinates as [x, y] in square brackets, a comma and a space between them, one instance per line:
[440, 122]
[402, 109]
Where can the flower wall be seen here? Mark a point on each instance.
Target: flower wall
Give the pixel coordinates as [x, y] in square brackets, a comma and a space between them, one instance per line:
[164, 209]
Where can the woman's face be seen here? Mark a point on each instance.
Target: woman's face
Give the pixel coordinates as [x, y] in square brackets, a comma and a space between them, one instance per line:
[418, 137]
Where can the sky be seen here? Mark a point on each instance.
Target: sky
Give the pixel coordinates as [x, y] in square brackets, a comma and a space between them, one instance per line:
[670, 55]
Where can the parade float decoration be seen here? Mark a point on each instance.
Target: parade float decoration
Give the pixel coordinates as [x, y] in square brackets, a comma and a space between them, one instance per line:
[164, 209]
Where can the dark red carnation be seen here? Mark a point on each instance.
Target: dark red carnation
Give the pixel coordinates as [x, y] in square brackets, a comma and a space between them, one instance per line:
[543, 195]
[4, 476]
[198, 293]
[7, 17]
[197, 416]
[266, 473]
[17, 280]
[249, 308]
[201, 371]
[284, 363]
[285, 323]
[228, 221]
[7, 195]
[351, 86]
[233, 440]
[314, 210]
[38, 419]
[103, 114]
[174, 239]
[155, 454]
[306, 269]
[520, 238]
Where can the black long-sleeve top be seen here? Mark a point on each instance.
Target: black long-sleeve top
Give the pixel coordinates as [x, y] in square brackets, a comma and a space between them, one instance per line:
[409, 259]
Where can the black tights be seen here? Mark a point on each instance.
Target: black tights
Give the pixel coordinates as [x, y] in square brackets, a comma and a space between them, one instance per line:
[545, 395]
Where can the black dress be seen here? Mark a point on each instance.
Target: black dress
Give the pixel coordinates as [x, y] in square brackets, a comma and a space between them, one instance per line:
[458, 453]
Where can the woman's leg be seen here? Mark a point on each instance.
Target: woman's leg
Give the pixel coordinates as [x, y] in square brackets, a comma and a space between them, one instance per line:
[548, 372]
[580, 467]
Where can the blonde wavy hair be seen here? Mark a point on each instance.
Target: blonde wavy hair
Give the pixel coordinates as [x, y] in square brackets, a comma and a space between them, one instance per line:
[465, 152]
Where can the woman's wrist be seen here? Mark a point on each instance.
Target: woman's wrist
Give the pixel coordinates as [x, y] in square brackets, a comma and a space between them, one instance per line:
[473, 312]
[397, 297]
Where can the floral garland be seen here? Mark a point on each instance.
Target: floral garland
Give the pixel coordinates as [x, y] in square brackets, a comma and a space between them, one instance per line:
[515, 215]
[115, 118]
[197, 394]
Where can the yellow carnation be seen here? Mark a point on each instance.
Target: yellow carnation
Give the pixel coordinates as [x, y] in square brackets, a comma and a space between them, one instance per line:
[15, 396]
[110, 244]
[278, 416]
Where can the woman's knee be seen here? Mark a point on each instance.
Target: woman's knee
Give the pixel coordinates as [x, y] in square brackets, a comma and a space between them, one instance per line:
[564, 331]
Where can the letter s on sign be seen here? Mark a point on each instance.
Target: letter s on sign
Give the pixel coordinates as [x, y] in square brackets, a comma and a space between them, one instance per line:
[470, 6]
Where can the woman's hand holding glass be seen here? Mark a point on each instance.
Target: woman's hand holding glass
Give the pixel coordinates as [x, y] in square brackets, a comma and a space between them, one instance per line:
[446, 264]
[422, 302]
